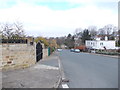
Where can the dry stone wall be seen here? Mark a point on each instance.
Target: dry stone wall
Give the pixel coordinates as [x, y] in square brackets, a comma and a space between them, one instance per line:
[17, 56]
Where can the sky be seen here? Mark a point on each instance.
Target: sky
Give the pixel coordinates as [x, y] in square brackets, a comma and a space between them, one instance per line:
[55, 18]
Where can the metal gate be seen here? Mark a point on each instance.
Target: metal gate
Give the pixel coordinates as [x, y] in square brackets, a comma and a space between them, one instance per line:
[39, 51]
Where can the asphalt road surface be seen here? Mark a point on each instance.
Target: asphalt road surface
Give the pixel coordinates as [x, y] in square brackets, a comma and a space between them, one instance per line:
[86, 70]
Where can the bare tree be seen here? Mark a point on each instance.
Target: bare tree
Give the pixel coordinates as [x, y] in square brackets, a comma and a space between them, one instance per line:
[77, 36]
[93, 31]
[19, 31]
[77, 33]
[108, 28]
[12, 30]
[115, 31]
[7, 30]
[1, 31]
[101, 31]
[77, 30]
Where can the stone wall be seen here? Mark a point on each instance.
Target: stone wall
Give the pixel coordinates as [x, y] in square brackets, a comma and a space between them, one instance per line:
[45, 53]
[17, 55]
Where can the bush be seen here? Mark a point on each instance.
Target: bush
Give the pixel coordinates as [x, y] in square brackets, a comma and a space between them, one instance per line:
[107, 53]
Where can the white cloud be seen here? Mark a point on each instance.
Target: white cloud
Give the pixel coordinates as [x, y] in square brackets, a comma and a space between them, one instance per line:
[40, 20]
[88, 1]
[72, 1]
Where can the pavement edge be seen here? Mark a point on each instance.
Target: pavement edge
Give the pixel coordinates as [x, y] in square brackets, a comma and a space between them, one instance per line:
[60, 72]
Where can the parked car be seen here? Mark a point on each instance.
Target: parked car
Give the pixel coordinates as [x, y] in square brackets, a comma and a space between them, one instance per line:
[92, 51]
[72, 50]
[59, 50]
[81, 48]
[77, 50]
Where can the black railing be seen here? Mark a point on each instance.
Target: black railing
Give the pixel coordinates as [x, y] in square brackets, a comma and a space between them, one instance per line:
[14, 41]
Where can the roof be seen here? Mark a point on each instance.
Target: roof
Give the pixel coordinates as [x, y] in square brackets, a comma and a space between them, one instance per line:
[102, 35]
[80, 47]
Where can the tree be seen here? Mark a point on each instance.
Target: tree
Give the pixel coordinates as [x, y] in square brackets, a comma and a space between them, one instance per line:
[118, 43]
[101, 31]
[53, 43]
[93, 31]
[77, 36]
[86, 36]
[114, 33]
[115, 29]
[7, 30]
[60, 41]
[43, 40]
[108, 29]
[69, 41]
[77, 32]
[12, 30]
[69, 36]
[19, 31]
[1, 31]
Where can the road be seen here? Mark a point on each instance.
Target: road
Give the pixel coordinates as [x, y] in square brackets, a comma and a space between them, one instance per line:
[86, 70]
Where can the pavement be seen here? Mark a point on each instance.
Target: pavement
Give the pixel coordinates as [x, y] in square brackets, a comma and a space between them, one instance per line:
[44, 74]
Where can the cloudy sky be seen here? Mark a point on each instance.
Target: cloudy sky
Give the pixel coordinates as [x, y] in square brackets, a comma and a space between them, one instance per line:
[51, 18]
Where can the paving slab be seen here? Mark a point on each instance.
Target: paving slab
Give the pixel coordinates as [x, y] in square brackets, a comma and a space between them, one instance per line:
[44, 74]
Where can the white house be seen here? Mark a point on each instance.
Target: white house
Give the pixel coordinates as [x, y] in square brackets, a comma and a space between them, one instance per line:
[100, 44]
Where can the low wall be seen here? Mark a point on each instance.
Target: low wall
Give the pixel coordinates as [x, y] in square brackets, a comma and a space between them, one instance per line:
[17, 55]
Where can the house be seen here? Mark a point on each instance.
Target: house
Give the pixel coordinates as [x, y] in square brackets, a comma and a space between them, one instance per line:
[100, 44]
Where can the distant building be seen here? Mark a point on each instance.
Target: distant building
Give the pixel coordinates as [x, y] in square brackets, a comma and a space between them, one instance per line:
[100, 44]
[101, 37]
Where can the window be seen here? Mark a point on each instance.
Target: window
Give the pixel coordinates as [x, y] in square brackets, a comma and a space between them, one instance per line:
[88, 43]
[101, 43]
